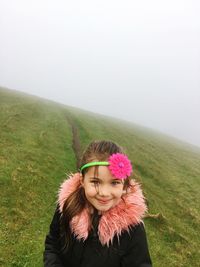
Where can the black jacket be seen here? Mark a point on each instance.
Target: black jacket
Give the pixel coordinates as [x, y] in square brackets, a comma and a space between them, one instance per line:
[131, 250]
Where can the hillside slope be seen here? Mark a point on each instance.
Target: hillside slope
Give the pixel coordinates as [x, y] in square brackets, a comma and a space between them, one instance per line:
[41, 141]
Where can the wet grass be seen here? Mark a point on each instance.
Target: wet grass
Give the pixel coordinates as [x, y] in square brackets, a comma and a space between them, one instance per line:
[36, 152]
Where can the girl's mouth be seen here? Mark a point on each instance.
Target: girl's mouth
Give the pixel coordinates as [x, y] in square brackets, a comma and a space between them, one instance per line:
[103, 201]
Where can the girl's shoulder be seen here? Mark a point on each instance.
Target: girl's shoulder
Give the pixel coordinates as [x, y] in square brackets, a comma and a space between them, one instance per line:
[131, 239]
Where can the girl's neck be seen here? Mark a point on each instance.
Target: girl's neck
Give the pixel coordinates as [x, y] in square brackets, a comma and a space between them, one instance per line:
[94, 211]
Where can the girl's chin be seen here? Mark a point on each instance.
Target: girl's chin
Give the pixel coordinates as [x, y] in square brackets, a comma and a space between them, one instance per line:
[99, 208]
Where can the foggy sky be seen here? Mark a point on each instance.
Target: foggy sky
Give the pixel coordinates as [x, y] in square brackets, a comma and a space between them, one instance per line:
[135, 60]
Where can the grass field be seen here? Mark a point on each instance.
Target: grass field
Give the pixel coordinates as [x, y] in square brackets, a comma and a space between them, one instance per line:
[40, 141]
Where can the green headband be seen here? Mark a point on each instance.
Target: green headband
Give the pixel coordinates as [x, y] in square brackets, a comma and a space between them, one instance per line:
[95, 163]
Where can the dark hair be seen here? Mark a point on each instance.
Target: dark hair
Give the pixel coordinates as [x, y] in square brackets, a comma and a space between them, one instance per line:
[99, 150]
[75, 203]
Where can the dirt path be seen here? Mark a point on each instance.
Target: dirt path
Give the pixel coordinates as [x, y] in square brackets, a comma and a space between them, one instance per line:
[75, 140]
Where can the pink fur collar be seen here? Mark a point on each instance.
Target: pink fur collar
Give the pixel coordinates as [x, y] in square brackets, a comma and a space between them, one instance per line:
[112, 222]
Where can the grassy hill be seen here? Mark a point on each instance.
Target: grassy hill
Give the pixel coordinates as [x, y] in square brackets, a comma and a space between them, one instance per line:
[41, 141]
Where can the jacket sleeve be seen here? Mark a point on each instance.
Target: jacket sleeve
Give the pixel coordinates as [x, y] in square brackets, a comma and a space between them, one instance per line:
[137, 253]
[52, 256]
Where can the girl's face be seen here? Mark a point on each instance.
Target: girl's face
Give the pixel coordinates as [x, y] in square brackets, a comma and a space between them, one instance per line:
[103, 191]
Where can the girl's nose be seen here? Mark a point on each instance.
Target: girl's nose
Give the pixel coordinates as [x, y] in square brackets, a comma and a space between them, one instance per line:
[103, 191]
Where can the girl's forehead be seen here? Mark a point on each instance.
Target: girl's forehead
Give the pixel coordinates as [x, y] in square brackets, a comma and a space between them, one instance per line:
[101, 173]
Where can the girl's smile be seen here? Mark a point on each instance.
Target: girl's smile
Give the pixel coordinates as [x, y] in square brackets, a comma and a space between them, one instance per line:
[103, 201]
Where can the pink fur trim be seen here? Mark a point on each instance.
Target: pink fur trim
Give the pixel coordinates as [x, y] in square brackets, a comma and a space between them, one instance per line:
[114, 221]
[68, 187]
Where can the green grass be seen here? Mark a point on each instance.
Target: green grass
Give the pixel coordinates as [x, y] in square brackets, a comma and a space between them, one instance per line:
[36, 152]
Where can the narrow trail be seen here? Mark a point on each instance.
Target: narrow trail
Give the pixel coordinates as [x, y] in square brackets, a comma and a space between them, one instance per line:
[75, 140]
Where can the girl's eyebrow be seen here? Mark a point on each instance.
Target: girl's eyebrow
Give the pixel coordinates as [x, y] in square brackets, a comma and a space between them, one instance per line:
[115, 180]
[95, 178]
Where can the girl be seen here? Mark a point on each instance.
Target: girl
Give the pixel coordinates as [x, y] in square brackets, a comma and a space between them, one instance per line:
[98, 220]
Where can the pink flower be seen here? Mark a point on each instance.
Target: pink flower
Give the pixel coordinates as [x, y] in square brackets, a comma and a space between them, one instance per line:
[120, 166]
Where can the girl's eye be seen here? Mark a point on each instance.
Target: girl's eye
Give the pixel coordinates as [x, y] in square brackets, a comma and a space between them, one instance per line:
[95, 182]
[116, 182]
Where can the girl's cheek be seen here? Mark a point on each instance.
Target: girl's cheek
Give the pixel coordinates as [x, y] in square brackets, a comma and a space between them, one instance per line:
[91, 191]
[119, 193]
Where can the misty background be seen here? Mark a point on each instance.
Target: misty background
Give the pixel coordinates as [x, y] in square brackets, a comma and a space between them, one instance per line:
[135, 60]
